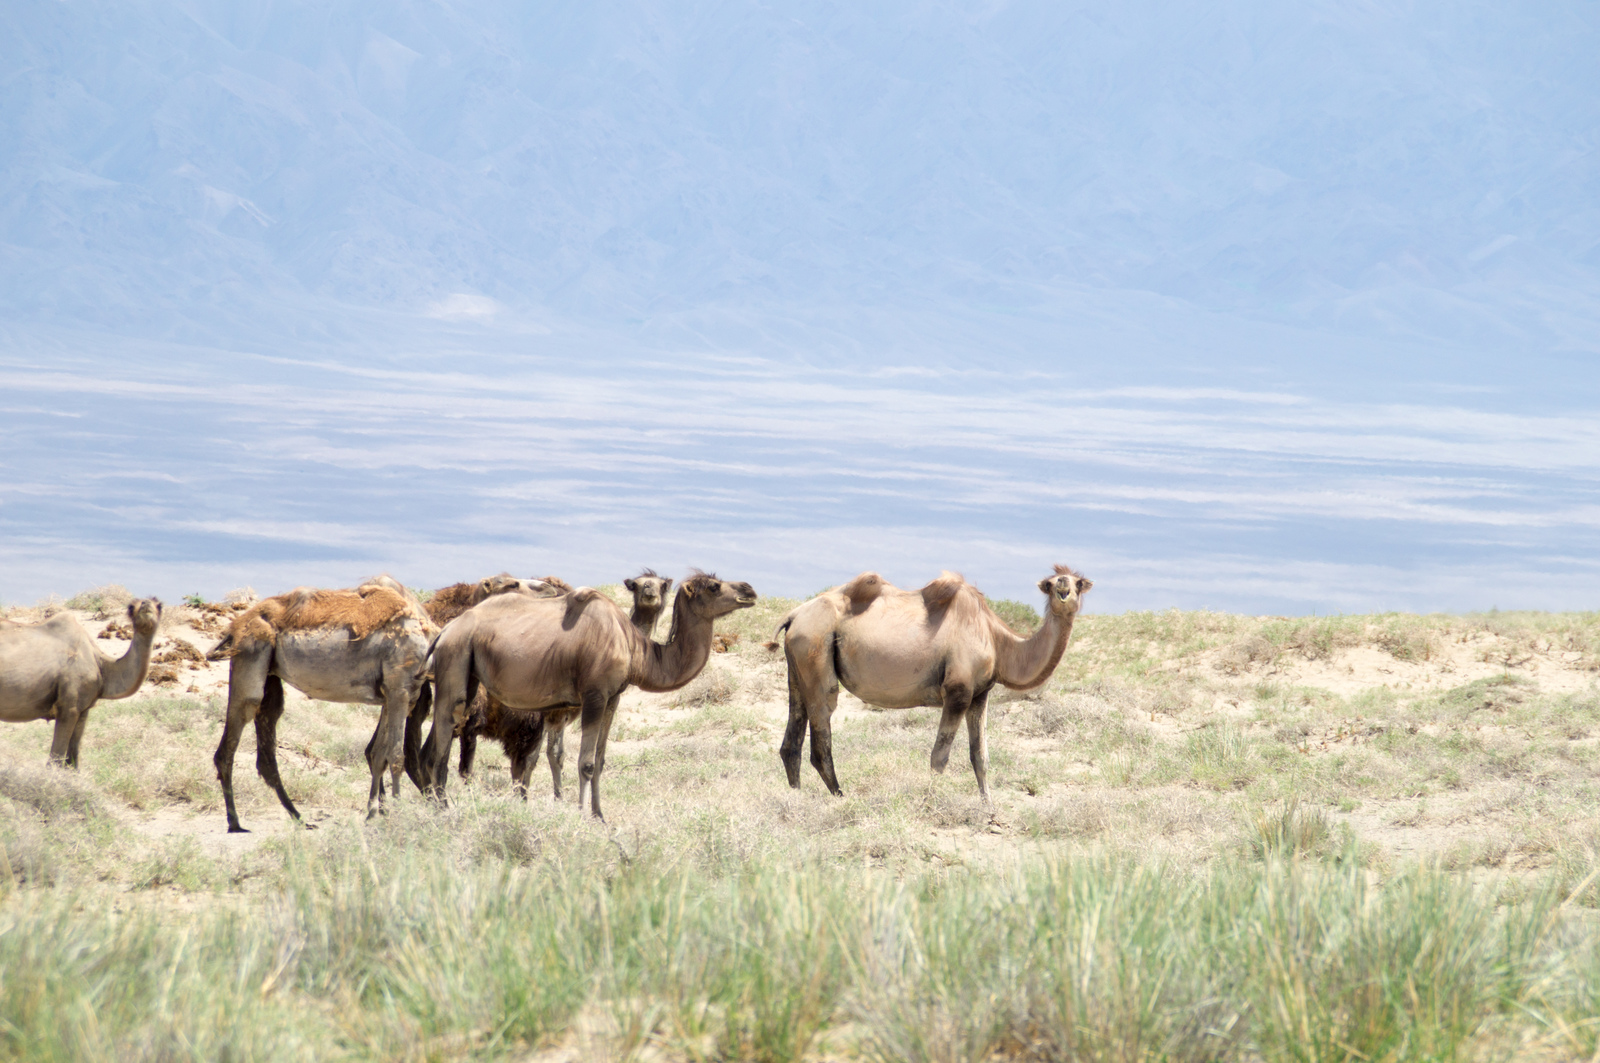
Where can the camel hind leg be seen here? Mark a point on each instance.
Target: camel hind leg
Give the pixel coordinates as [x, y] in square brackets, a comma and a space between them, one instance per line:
[385, 751]
[412, 756]
[267, 742]
[813, 696]
[794, 735]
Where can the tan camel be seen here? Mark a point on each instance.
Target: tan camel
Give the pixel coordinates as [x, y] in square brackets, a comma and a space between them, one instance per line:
[544, 656]
[897, 649]
[367, 646]
[445, 605]
[519, 734]
[54, 671]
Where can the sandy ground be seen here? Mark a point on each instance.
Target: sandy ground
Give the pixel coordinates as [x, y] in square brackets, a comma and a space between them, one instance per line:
[1403, 827]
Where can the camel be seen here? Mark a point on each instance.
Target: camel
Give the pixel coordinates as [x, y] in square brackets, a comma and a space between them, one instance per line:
[649, 599]
[896, 649]
[445, 605]
[54, 671]
[366, 646]
[519, 735]
[544, 656]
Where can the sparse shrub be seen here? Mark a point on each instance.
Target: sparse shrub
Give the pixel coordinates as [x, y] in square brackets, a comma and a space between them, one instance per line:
[51, 792]
[1020, 617]
[101, 602]
[1293, 830]
[713, 686]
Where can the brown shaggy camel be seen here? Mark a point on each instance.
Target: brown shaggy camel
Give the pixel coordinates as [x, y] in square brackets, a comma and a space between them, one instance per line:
[366, 646]
[897, 649]
[577, 652]
[54, 671]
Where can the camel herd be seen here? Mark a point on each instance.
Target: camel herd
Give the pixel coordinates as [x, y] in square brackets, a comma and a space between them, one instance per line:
[516, 660]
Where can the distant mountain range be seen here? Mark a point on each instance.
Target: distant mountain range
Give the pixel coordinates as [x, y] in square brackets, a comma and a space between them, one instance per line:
[1404, 170]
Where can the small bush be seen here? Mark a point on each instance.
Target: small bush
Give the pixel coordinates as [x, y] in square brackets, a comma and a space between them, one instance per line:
[1020, 617]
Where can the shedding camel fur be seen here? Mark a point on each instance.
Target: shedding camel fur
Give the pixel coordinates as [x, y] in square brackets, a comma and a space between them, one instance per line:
[367, 645]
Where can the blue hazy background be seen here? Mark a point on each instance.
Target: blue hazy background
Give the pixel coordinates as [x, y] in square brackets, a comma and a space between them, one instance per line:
[1249, 306]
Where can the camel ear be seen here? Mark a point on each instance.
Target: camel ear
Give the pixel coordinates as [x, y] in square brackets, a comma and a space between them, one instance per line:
[1044, 585]
[688, 588]
[1084, 584]
[630, 585]
[666, 585]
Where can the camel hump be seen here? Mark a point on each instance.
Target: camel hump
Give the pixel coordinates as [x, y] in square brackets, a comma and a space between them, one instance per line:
[559, 585]
[864, 588]
[941, 591]
[255, 625]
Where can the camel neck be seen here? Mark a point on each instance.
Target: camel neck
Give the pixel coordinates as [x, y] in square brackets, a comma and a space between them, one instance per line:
[669, 665]
[120, 677]
[644, 618]
[1023, 664]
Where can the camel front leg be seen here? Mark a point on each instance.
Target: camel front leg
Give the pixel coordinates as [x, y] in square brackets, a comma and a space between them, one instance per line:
[957, 699]
[593, 716]
[77, 735]
[63, 750]
[978, 741]
[247, 676]
[267, 742]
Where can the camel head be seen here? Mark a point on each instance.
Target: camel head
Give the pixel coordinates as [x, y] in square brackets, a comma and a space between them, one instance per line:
[709, 597]
[145, 614]
[1065, 590]
[648, 589]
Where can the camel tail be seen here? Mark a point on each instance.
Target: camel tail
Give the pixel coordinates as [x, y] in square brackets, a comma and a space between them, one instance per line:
[222, 650]
[783, 625]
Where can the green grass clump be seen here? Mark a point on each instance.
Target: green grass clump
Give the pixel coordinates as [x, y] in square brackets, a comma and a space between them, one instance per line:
[1020, 617]
[383, 944]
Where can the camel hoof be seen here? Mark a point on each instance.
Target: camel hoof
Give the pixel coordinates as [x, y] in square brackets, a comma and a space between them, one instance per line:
[236, 829]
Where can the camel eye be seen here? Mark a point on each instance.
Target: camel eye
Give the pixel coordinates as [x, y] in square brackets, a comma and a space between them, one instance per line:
[716, 588]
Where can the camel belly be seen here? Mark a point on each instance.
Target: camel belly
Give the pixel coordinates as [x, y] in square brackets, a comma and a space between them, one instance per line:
[30, 677]
[329, 667]
[886, 682]
[534, 697]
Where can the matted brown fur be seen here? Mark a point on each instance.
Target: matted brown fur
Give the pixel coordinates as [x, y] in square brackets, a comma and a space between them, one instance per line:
[450, 602]
[363, 610]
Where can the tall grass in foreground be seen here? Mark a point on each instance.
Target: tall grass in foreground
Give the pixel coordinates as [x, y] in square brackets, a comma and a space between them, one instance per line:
[383, 944]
